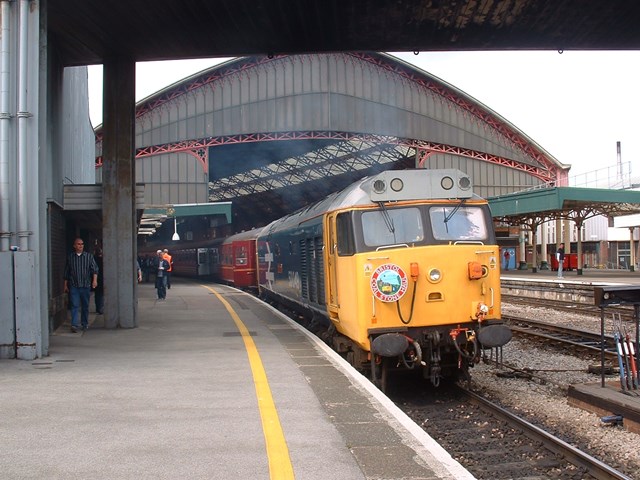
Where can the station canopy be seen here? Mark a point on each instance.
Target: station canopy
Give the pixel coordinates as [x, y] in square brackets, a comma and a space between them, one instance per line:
[155, 215]
[536, 206]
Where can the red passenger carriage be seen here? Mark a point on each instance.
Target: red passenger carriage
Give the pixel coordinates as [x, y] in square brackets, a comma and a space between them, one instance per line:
[238, 259]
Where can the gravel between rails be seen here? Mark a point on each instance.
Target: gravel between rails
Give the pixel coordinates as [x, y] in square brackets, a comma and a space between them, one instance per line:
[546, 403]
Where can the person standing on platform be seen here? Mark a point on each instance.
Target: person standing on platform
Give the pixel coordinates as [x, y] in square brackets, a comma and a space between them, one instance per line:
[560, 258]
[161, 277]
[80, 276]
[168, 258]
[507, 257]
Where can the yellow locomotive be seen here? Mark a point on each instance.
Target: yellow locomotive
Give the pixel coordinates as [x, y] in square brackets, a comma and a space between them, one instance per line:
[399, 270]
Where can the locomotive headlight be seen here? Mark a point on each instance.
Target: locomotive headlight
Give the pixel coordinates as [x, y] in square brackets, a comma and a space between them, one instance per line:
[446, 183]
[379, 186]
[464, 183]
[434, 275]
[396, 185]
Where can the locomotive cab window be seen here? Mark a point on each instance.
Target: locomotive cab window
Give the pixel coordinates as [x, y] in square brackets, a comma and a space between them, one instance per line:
[344, 234]
[392, 227]
[451, 223]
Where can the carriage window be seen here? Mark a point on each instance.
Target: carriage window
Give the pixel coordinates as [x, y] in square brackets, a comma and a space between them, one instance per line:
[390, 227]
[241, 256]
[453, 223]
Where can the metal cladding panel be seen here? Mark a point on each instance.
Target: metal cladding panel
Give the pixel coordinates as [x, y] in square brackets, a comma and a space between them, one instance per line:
[89, 197]
[173, 178]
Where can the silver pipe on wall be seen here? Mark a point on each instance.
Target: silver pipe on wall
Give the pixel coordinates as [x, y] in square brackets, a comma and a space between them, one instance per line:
[5, 119]
[23, 125]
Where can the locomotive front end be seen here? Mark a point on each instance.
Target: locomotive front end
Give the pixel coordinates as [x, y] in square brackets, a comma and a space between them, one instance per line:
[420, 285]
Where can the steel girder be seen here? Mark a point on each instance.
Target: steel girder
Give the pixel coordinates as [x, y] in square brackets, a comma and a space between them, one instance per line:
[337, 159]
[198, 148]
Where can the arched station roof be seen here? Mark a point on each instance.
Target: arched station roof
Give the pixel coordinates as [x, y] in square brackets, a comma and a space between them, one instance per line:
[273, 133]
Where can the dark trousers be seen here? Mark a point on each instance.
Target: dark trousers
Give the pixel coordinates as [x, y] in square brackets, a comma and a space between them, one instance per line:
[161, 286]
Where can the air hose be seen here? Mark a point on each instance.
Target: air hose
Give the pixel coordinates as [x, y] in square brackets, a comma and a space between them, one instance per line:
[413, 299]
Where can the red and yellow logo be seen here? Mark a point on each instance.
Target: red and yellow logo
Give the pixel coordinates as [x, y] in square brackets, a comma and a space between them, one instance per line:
[389, 282]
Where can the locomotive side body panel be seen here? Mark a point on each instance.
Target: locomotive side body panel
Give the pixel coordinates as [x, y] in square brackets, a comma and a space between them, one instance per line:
[293, 266]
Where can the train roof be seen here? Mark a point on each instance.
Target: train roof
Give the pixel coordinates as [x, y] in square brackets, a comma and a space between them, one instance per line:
[246, 235]
[178, 246]
[388, 187]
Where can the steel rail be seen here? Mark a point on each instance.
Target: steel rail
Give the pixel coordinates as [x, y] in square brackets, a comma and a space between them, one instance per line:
[594, 467]
[573, 307]
[570, 336]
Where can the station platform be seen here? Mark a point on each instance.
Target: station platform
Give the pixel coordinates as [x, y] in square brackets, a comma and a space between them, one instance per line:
[608, 400]
[211, 385]
[592, 276]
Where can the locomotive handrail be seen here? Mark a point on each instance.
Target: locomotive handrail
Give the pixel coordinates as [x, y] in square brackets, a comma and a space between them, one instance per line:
[392, 246]
[483, 251]
[469, 242]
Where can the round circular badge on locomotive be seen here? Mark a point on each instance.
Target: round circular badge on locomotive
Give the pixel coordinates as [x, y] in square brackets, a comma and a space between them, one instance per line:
[389, 282]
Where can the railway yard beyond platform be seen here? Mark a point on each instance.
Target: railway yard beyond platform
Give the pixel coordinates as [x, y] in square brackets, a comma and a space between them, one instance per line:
[607, 399]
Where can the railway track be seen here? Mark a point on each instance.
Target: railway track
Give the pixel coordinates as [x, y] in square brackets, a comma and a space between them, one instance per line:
[575, 338]
[493, 443]
[626, 312]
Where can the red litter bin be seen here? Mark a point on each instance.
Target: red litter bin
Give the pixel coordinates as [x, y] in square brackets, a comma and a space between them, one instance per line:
[565, 263]
[572, 261]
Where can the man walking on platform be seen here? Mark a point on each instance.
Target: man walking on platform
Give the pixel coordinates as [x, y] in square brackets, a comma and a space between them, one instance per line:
[80, 276]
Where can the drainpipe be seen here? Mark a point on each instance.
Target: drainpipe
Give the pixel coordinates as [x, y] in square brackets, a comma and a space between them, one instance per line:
[5, 119]
[23, 124]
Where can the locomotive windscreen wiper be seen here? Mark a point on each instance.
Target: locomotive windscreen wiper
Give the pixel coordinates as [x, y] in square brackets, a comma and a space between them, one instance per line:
[453, 212]
[388, 221]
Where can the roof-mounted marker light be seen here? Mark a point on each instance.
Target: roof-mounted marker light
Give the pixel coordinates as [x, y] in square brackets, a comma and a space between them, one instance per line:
[446, 183]
[464, 183]
[379, 186]
[396, 184]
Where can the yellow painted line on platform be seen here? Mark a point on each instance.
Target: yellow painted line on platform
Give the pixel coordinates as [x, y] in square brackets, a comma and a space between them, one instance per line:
[280, 467]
